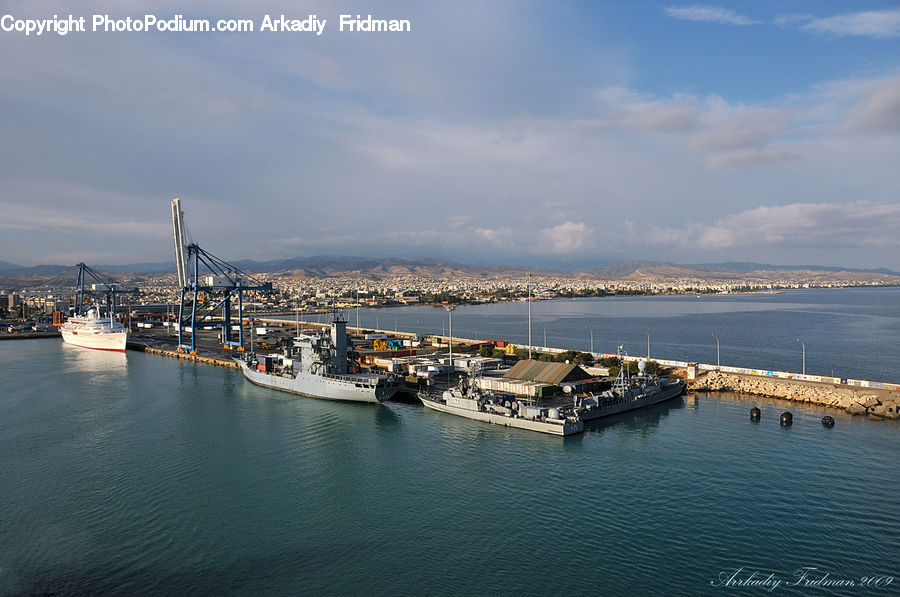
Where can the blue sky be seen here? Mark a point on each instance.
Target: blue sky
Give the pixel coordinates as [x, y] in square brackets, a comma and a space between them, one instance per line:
[493, 132]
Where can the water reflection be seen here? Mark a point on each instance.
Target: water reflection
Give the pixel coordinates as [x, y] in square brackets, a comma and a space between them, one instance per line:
[386, 417]
[644, 421]
[85, 360]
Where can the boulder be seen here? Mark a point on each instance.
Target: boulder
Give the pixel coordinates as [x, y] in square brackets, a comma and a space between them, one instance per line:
[855, 408]
[891, 410]
[869, 400]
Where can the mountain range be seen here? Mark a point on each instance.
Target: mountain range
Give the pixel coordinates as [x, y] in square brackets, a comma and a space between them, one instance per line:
[330, 265]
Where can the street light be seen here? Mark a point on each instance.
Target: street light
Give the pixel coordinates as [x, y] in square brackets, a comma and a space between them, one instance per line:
[804, 354]
[450, 309]
[528, 285]
[592, 339]
[717, 349]
[648, 346]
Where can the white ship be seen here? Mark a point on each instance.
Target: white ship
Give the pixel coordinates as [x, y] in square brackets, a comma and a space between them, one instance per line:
[92, 331]
[317, 366]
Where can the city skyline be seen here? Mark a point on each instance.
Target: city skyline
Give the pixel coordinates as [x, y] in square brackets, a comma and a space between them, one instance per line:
[547, 133]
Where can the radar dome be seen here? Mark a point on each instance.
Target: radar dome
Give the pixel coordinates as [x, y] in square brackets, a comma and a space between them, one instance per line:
[642, 366]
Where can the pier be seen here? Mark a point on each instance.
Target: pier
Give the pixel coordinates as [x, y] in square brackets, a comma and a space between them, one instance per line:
[197, 358]
[879, 400]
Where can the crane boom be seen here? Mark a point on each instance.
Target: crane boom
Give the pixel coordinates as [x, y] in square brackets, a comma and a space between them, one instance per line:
[181, 253]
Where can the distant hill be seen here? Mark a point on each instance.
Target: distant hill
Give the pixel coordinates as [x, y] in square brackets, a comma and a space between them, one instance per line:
[36, 270]
[725, 270]
[319, 266]
[741, 266]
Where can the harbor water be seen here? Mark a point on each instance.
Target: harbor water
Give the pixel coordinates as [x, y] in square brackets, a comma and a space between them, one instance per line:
[850, 332]
[131, 474]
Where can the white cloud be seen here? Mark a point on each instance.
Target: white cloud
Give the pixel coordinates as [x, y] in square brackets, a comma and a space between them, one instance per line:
[880, 24]
[450, 238]
[621, 108]
[745, 158]
[833, 225]
[744, 129]
[879, 113]
[404, 145]
[32, 218]
[663, 119]
[708, 14]
[568, 237]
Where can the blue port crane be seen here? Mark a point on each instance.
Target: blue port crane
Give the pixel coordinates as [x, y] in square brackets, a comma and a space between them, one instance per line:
[102, 285]
[199, 271]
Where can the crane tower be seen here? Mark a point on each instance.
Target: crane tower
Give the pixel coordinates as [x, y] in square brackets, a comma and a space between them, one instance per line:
[200, 271]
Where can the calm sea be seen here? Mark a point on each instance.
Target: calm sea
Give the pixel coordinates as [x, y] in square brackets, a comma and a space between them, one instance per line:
[139, 475]
[851, 332]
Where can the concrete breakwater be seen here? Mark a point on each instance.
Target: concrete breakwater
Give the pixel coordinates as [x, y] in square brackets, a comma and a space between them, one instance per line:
[856, 401]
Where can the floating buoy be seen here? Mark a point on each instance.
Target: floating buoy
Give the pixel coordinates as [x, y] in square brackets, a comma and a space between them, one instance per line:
[827, 421]
[755, 414]
[786, 419]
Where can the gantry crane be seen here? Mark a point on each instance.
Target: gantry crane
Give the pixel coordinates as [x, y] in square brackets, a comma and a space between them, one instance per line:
[220, 280]
[103, 284]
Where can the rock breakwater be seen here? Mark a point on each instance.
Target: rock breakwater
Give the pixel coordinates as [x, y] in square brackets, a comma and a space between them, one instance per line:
[856, 401]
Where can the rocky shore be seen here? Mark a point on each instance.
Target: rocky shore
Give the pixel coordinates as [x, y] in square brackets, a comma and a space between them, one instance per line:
[876, 403]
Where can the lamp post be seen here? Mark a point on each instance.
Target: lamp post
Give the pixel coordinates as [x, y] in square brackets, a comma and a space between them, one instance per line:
[450, 309]
[648, 347]
[357, 310]
[592, 339]
[528, 285]
[717, 350]
[804, 354]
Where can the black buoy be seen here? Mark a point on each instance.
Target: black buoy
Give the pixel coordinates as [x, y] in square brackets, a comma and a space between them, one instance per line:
[827, 421]
[755, 414]
[786, 419]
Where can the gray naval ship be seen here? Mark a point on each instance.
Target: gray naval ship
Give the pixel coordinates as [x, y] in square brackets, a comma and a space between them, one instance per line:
[628, 393]
[318, 366]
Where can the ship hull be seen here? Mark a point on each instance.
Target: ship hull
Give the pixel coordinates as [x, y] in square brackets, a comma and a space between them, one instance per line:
[664, 394]
[325, 388]
[562, 428]
[111, 341]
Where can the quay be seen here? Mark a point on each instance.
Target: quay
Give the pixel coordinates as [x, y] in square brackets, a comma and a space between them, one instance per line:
[878, 400]
[30, 335]
[197, 358]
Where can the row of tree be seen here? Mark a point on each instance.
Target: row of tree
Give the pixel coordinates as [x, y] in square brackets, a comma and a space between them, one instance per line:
[614, 364]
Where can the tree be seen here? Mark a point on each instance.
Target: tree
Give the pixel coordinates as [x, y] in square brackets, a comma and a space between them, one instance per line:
[577, 357]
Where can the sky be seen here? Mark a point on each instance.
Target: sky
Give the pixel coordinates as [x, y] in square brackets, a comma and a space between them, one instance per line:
[506, 132]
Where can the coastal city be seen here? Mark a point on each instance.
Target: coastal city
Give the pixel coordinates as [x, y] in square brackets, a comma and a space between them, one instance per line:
[449, 298]
[454, 284]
